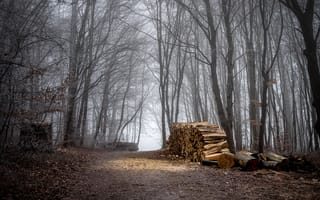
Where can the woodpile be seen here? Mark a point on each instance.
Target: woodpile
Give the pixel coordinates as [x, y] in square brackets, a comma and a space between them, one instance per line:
[200, 141]
[206, 143]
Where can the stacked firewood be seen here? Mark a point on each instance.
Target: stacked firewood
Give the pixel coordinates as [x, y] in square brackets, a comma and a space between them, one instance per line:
[200, 141]
[207, 143]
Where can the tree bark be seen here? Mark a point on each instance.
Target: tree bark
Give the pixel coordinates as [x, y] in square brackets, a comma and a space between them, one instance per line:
[72, 90]
[251, 73]
[305, 19]
[225, 122]
[89, 71]
[226, 9]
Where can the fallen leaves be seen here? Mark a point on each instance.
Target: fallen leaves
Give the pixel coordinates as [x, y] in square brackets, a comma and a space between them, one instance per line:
[92, 174]
[40, 176]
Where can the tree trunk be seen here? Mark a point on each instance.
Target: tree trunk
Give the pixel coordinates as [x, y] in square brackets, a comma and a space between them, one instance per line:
[225, 122]
[305, 19]
[226, 9]
[251, 74]
[104, 105]
[89, 71]
[72, 90]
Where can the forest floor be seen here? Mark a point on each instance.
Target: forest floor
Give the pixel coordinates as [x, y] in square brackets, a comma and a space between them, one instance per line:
[73, 174]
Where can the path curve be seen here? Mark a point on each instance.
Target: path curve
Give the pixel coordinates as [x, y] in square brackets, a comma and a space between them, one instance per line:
[146, 175]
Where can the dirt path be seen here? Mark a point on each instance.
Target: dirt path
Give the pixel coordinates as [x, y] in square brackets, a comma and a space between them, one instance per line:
[149, 176]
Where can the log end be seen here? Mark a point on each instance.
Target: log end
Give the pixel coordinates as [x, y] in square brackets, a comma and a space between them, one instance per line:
[226, 161]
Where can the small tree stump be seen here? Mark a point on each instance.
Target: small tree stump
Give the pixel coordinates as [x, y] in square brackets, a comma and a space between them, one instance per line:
[36, 137]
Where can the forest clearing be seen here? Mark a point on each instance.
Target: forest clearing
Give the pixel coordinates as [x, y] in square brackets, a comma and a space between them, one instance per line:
[95, 174]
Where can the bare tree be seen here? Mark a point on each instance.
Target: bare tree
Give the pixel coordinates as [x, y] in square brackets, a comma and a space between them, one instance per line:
[265, 70]
[305, 18]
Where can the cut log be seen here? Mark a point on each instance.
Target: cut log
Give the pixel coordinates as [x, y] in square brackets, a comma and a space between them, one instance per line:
[226, 160]
[222, 145]
[246, 161]
[212, 151]
[225, 150]
[207, 129]
[282, 162]
[213, 136]
[274, 157]
[209, 162]
[271, 164]
[198, 124]
[249, 153]
[197, 140]
[304, 162]
[313, 160]
[211, 157]
[212, 141]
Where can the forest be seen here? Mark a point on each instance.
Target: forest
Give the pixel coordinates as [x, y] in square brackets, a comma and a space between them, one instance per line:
[99, 71]
[79, 76]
